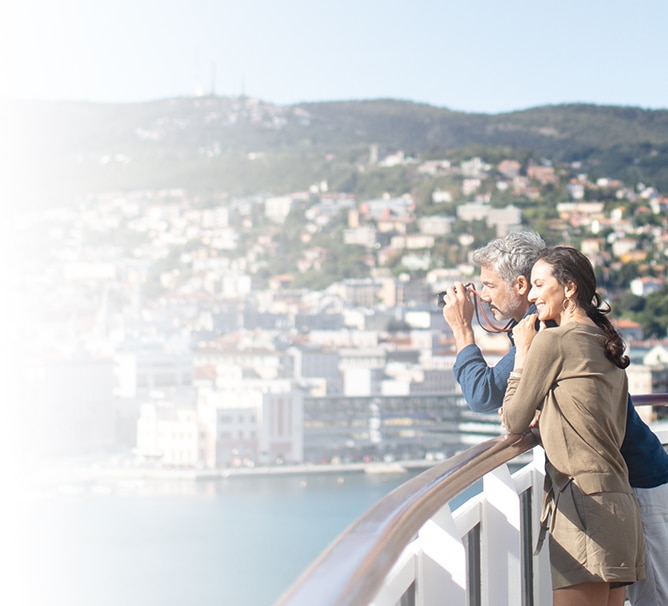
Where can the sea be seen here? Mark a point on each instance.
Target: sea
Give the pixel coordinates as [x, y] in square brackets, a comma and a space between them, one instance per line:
[239, 541]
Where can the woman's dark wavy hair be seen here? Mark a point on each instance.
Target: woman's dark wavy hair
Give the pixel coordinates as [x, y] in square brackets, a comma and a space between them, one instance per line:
[569, 264]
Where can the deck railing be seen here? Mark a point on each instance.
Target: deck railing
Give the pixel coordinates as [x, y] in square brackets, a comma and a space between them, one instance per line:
[411, 549]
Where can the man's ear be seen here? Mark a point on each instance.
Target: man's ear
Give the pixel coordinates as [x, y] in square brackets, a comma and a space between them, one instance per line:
[523, 285]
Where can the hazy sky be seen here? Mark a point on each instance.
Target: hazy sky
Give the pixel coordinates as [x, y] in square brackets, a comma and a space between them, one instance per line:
[472, 55]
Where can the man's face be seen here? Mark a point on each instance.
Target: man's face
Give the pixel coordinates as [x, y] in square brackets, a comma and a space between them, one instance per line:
[505, 300]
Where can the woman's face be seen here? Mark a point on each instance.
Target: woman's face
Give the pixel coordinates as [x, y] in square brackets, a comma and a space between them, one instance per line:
[546, 293]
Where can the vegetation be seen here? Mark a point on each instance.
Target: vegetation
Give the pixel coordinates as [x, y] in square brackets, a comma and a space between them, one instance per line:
[244, 146]
[650, 311]
[224, 149]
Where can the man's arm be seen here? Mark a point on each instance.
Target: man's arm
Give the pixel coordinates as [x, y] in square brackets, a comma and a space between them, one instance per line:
[643, 452]
[483, 386]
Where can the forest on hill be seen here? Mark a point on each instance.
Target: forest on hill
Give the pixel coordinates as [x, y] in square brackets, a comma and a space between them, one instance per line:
[243, 146]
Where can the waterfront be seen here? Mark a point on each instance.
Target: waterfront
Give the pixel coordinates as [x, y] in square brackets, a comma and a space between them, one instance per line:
[240, 541]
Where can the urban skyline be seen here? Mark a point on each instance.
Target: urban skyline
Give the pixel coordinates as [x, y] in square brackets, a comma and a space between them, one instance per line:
[166, 334]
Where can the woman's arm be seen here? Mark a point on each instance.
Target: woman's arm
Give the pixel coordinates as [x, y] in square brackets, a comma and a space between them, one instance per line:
[528, 386]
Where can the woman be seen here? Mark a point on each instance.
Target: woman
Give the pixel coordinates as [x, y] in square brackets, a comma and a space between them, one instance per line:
[574, 375]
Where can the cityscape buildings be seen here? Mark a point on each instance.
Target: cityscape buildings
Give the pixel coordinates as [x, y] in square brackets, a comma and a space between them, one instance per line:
[157, 329]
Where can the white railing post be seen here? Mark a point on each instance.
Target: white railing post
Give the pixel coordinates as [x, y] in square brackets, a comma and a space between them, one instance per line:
[500, 540]
[442, 572]
[403, 574]
[542, 578]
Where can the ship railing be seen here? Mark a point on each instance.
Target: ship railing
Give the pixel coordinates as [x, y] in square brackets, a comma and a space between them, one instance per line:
[413, 548]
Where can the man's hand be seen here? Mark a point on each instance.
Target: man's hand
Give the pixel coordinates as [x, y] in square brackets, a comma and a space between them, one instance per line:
[458, 313]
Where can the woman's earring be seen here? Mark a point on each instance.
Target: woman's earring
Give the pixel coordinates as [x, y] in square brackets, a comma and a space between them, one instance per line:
[569, 306]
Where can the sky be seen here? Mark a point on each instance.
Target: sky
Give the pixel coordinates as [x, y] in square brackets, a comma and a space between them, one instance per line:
[485, 56]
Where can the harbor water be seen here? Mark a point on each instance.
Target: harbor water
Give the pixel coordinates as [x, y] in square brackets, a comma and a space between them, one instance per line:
[240, 541]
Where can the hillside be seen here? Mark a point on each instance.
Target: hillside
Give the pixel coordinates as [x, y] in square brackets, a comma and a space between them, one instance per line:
[243, 145]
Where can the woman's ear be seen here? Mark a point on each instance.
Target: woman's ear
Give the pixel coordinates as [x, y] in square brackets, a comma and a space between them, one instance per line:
[570, 289]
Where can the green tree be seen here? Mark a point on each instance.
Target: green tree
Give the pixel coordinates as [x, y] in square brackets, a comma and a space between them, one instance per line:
[650, 311]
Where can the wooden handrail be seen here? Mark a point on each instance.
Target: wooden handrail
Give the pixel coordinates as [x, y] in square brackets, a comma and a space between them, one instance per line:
[653, 399]
[352, 569]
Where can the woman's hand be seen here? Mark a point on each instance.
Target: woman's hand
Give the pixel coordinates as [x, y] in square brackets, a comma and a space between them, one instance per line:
[532, 425]
[524, 333]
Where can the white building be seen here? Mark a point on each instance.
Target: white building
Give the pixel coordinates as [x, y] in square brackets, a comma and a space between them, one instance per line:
[435, 225]
[362, 381]
[648, 373]
[169, 435]
[141, 371]
[234, 286]
[623, 246]
[412, 242]
[641, 287]
[364, 236]
[277, 208]
[440, 196]
[151, 367]
[251, 422]
[473, 211]
[505, 219]
[235, 422]
[475, 167]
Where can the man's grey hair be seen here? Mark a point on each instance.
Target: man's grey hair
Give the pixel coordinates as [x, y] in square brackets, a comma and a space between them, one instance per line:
[511, 256]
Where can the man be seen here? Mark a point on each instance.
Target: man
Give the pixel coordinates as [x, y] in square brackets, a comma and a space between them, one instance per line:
[505, 270]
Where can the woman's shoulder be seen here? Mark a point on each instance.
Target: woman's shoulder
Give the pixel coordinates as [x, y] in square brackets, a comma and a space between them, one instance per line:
[548, 339]
[565, 332]
[553, 332]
